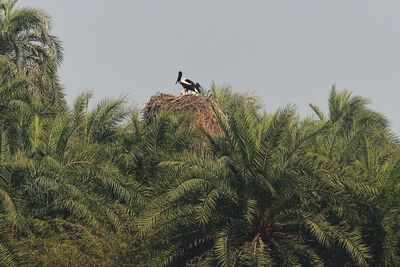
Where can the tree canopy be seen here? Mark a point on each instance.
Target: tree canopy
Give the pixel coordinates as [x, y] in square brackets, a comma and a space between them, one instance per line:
[101, 186]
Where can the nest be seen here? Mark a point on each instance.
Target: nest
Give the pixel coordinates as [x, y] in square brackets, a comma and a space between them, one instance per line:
[206, 112]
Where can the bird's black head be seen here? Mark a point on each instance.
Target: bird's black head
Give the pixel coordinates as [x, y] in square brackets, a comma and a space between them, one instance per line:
[179, 77]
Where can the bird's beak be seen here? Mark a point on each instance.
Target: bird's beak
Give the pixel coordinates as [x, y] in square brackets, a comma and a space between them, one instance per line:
[176, 81]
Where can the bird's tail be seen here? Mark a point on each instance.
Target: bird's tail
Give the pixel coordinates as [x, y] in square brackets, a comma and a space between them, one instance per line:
[198, 88]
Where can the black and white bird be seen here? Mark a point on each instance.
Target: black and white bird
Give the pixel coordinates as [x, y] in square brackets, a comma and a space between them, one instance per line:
[188, 85]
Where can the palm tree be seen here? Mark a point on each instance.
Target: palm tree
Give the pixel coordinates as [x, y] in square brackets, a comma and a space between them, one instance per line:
[56, 173]
[256, 196]
[143, 146]
[25, 38]
[72, 169]
[361, 139]
[28, 48]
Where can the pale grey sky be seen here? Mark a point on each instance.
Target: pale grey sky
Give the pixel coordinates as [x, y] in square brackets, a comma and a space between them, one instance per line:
[284, 51]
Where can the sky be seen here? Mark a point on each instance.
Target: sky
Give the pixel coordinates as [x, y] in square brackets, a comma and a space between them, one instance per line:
[286, 52]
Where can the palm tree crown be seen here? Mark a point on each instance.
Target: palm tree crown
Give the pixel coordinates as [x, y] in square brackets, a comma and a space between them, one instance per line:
[25, 38]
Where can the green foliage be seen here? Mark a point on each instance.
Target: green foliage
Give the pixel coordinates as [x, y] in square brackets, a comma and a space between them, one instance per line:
[273, 189]
[27, 48]
[83, 186]
[6, 259]
[99, 187]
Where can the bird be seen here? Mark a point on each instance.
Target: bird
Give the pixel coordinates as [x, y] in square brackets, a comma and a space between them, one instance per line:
[188, 85]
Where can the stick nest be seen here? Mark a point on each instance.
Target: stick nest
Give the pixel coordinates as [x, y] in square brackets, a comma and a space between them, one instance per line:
[206, 112]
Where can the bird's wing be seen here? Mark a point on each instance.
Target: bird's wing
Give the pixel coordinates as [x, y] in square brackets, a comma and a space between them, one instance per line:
[188, 81]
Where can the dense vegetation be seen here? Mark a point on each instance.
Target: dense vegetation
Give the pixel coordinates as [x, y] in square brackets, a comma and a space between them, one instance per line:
[99, 187]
